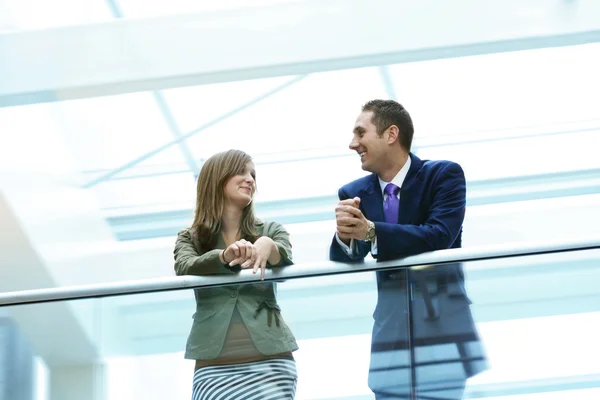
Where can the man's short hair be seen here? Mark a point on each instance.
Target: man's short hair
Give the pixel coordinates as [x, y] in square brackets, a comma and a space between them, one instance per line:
[390, 112]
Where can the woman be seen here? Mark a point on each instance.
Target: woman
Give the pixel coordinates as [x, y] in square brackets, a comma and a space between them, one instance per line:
[241, 345]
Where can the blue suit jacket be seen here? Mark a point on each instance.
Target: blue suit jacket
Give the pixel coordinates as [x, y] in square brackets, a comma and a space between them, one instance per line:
[432, 211]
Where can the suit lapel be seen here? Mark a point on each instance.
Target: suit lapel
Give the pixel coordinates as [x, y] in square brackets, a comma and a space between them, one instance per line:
[408, 205]
[371, 200]
[371, 197]
[405, 206]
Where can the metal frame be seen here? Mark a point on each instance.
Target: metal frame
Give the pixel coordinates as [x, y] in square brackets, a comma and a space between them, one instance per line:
[176, 132]
[164, 109]
[145, 54]
[579, 30]
[184, 137]
[495, 191]
[299, 271]
[420, 143]
[388, 82]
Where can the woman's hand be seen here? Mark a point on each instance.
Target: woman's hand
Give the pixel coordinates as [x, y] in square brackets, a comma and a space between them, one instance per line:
[239, 253]
[264, 247]
[254, 256]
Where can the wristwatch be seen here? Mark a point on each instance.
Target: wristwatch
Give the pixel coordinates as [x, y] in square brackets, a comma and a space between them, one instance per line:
[370, 232]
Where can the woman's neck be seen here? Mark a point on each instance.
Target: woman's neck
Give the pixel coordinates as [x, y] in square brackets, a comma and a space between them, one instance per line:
[231, 222]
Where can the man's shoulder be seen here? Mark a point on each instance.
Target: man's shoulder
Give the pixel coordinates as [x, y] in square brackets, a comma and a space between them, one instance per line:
[352, 188]
[436, 166]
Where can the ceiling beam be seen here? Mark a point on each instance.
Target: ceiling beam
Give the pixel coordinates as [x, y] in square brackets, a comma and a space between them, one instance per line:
[133, 55]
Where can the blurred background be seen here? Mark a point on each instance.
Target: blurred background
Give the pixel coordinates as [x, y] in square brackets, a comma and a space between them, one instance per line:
[109, 107]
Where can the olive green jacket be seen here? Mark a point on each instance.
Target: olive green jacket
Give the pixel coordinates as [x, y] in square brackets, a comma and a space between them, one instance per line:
[256, 303]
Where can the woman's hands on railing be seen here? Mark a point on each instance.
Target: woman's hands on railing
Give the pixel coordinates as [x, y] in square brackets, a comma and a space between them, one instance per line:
[238, 252]
[249, 255]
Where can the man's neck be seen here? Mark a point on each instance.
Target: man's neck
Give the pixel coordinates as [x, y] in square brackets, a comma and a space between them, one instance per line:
[394, 166]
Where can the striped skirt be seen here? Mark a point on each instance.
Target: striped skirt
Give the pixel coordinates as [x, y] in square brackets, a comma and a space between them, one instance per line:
[273, 379]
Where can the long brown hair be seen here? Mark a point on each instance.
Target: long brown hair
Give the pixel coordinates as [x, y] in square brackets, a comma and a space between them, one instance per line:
[210, 198]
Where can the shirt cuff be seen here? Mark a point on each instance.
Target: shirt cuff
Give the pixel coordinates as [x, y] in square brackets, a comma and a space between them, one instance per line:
[344, 246]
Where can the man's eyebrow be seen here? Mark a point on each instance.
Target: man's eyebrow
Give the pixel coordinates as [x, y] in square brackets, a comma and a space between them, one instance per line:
[358, 129]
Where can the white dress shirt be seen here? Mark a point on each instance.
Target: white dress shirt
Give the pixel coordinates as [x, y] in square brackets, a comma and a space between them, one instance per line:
[398, 181]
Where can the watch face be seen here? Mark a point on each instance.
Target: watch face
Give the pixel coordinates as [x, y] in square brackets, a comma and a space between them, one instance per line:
[371, 233]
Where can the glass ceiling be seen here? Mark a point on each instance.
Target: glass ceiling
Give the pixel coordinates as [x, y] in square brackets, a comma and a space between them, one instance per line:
[502, 115]
[40, 14]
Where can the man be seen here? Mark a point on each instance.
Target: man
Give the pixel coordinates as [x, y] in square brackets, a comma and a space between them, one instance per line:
[405, 207]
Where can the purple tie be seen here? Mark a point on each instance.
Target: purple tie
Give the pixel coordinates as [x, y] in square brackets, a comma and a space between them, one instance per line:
[391, 205]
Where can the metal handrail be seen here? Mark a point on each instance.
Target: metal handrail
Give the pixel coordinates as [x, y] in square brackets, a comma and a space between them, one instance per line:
[297, 271]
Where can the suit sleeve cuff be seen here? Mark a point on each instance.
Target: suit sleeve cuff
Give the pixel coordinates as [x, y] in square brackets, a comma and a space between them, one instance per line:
[347, 249]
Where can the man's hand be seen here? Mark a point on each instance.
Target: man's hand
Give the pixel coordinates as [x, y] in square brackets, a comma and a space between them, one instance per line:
[350, 221]
[341, 212]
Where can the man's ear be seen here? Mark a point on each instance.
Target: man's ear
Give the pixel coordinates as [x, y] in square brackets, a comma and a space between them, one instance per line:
[393, 134]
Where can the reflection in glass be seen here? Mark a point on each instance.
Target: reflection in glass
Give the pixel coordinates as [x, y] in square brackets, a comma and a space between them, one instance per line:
[536, 315]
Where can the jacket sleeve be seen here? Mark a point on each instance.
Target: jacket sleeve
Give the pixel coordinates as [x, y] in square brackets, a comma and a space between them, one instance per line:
[360, 250]
[189, 262]
[441, 227]
[281, 237]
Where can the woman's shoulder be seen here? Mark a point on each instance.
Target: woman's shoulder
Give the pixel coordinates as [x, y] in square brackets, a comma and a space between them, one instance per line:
[266, 228]
[187, 233]
[187, 236]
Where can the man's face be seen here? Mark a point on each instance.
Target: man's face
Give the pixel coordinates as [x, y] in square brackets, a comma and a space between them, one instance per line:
[367, 143]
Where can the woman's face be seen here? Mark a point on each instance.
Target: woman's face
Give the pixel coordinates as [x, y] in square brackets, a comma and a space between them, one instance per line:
[239, 189]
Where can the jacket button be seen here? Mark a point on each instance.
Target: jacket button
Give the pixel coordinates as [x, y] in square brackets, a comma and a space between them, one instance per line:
[233, 294]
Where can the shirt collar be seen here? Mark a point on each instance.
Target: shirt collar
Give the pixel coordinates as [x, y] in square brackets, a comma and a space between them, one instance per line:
[399, 178]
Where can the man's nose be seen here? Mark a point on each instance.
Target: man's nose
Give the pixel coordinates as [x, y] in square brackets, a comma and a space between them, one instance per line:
[353, 144]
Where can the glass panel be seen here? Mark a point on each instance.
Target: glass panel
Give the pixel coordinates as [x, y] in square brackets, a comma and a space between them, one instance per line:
[149, 187]
[571, 151]
[40, 14]
[155, 8]
[147, 194]
[148, 334]
[500, 91]
[33, 142]
[275, 179]
[196, 106]
[308, 115]
[466, 125]
[499, 115]
[534, 318]
[48, 350]
[132, 347]
[107, 132]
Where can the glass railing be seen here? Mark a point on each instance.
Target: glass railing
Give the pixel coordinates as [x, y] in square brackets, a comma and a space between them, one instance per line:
[476, 323]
